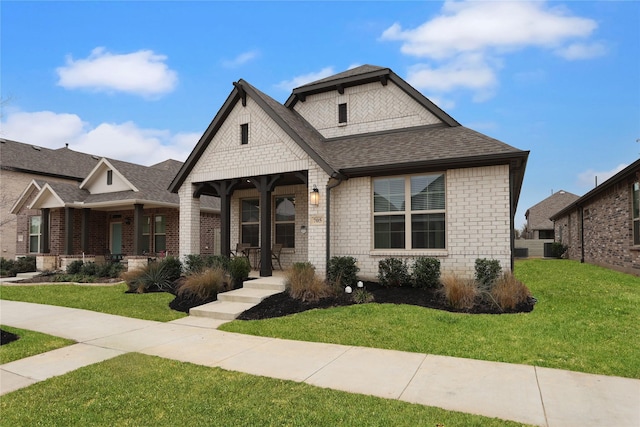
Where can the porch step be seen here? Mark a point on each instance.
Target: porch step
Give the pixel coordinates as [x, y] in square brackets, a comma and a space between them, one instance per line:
[28, 275]
[231, 304]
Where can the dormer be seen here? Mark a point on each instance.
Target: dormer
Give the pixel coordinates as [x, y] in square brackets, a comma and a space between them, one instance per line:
[105, 178]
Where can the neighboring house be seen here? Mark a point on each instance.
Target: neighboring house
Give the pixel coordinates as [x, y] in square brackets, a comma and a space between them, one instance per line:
[19, 165]
[118, 209]
[539, 226]
[358, 164]
[603, 226]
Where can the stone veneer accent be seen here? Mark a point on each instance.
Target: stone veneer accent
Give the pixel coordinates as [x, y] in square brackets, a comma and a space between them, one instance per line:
[608, 230]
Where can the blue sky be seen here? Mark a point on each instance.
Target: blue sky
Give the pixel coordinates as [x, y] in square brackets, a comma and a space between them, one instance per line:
[141, 81]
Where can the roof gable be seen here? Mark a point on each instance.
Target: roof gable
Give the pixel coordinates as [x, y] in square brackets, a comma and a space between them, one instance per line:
[32, 188]
[538, 215]
[97, 182]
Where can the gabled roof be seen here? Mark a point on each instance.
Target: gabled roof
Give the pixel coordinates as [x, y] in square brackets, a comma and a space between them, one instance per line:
[106, 164]
[538, 215]
[59, 163]
[633, 168]
[33, 187]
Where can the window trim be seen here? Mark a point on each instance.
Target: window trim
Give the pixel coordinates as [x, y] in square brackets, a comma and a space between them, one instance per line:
[156, 234]
[38, 234]
[243, 223]
[109, 177]
[244, 134]
[276, 222]
[635, 221]
[408, 214]
[343, 115]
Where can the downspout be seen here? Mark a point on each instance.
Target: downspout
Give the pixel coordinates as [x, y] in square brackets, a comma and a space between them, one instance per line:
[581, 212]
[339, 181]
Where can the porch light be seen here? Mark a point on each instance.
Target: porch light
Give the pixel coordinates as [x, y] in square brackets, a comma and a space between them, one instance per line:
[314, 196]
[303, 229]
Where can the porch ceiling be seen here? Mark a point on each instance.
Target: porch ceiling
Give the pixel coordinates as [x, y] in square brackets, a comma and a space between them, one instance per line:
[287, 178]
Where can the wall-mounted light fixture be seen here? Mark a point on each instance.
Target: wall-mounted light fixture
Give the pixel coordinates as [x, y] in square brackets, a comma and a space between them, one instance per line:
[303, 229]
[314, 196]
[127, 221]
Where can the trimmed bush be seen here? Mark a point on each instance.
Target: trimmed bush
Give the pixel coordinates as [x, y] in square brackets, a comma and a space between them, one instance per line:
[10, 267]
[303, 284]
[194, 263]
[393, 272]
[487, 272]
[74, 267]
[426, 273]
[558, 249]
[239, 269]
[342, 271]
[508, 292]
[203, 285]
[218, 261]
[460, 293]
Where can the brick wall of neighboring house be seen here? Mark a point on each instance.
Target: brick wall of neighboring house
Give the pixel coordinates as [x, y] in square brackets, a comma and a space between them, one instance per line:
[210, 234]
[608, 230]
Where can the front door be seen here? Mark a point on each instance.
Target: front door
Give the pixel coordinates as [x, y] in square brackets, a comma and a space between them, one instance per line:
[116, 238]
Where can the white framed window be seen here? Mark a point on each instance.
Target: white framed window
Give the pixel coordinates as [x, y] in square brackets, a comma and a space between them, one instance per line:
[109, 177]
[285, 221]
[635, 212]
[160, 233]
[250, 222]
[145, 243]
[35, 232]
[409, 212]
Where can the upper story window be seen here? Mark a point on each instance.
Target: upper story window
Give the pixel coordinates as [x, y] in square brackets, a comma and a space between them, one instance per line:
[635, 212]
[244, 133]
[109, 177]
[342, 113]
[409, 212]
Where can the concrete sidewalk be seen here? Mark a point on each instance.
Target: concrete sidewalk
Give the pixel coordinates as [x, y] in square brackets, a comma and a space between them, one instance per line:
[527, 394]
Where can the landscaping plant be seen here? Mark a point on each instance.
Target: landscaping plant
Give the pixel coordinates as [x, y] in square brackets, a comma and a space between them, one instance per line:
[393, 272]
[426, 273]
[203, 285]
[342, 271]
[487, 273]
[302, 283]
[10, 268]
[239, 269]
[508, 291]
[461, 293]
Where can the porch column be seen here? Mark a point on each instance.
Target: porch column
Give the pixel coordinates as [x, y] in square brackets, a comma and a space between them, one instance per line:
[68, 231]
[84, 236]
[225, 190]
[138, 219]
[189, 221]
[45, 247]
[265, 185]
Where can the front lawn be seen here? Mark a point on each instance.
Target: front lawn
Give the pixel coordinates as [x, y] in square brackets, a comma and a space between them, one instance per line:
[585, 320]
[104, 299]
[30, 343]
[138, 390]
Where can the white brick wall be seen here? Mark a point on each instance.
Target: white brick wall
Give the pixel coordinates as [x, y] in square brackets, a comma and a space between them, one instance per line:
[370, 108]
[478, 224]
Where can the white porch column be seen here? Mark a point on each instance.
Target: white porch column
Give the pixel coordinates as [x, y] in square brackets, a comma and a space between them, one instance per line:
[189, 222]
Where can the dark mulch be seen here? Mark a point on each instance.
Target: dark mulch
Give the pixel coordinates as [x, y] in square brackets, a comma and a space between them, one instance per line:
[282, 304]
[6, 337]
[48, 278]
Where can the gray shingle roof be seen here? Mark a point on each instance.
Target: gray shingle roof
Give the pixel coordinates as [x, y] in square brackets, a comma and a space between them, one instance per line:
[62, 162]
[538, 215]
[357, 71]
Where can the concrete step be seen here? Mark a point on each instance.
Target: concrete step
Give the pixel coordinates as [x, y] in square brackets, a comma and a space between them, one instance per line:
[28, 275]
[271, 283]
[223, 310]
[250, 295]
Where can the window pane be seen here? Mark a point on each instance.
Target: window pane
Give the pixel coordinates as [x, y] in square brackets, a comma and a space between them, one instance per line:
[636, 200]
[146, 225]
[285, 209]
[285, 234]
[389, 232]
[388, 195]
[636, 232]
[251, 210]
[251, 234]
[427, 231]
[161, 225]
[427, 192]
[160, 243]
[34, 244]
[34, 225]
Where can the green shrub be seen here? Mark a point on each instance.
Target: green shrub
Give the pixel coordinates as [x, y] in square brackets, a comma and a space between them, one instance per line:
[157, 275]
[10, 267]
[194, 263]
[393, 272]
[75, 267]
[362, 296]
[173, 268]
[204, 284]
[426, 272]
[460, 293]
[239, 269]
[303, 284]
[218, 261]
[343, 271]
[558, 249]
[111, 269]
[487, 272]
[89, 269]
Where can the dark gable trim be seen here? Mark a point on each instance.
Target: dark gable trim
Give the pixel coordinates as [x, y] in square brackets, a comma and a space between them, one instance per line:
[34, 172]
[383, 75]
[620, 176]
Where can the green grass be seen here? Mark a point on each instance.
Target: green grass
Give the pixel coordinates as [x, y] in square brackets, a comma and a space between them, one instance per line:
[586, 320]
[105, 299]
[29, 344]
[139, 390]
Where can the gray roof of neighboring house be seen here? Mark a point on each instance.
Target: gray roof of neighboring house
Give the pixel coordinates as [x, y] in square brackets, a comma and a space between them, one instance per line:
[538, 215]
[60, 163]
[633, 168]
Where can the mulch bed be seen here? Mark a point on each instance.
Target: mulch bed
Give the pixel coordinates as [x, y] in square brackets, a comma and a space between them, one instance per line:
[7, 337]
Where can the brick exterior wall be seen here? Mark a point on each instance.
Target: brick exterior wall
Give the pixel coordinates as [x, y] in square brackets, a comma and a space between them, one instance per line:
[370, 108]
[477, 222]
[608, 230]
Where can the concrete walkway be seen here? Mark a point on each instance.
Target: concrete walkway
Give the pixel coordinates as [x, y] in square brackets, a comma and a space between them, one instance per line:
[527, 394]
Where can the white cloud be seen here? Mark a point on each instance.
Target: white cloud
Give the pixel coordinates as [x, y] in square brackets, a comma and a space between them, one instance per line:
[582, 51]
[298, 81]
[588, 178]
[141, 73]
[241, 59]
[487, 31]
[123, 141]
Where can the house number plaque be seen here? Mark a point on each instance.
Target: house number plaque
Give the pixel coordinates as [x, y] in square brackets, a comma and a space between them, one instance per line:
[317, 220]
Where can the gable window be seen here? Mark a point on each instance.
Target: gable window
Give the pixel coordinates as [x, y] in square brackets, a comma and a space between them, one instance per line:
[285, 221]
[244, 133]
[34, 234]
[109, 177]
[342, 113]
[635, 213]
[160, 233]
[409, 212]
[250, 222]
